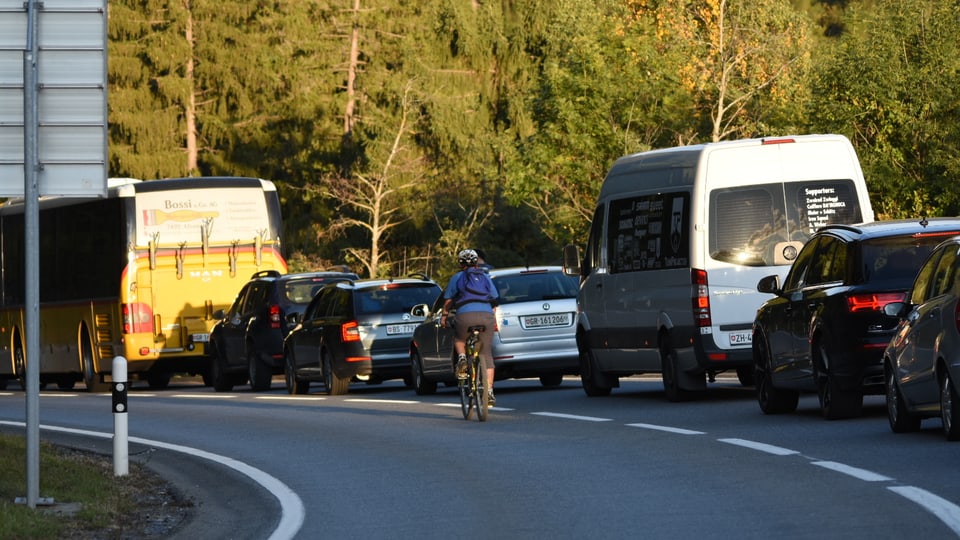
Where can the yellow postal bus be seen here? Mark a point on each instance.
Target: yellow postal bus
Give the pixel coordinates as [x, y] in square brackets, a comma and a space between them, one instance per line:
[136, 274]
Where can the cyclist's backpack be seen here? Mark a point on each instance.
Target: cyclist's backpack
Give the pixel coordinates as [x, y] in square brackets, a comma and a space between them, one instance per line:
[473, 286]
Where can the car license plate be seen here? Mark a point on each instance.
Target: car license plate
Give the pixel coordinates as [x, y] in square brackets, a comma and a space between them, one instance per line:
[394, 329]
[741, 338]
[546, 321]
[201, 338]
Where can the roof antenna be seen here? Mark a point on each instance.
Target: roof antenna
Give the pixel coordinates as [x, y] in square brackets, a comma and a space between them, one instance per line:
[924, 222]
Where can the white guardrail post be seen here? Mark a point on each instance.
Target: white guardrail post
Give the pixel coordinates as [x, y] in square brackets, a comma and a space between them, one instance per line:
[121, 456]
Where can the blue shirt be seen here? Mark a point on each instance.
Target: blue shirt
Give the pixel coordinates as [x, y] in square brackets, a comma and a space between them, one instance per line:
[451, 292]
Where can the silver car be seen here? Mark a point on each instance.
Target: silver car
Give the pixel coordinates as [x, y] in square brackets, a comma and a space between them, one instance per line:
[536, 321]
[922, 360]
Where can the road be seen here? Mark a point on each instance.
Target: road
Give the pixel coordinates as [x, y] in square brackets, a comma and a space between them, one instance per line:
[382, 462]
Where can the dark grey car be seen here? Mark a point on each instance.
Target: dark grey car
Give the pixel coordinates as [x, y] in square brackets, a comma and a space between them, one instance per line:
[922, 361]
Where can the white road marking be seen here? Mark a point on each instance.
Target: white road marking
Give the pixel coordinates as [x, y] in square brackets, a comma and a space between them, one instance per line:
[394, 401]
[944, 510]
[291, 507]
[862, 474]
[572, 417]
[668, 429]
[768, 448]
[292, 398]
[204, 396]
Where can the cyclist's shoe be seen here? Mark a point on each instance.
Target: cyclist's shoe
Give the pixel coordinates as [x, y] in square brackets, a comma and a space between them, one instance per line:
[462, 368]
[491, 399]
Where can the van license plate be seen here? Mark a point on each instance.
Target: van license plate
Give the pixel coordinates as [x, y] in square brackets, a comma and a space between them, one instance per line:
[741, 338]
[201, 338]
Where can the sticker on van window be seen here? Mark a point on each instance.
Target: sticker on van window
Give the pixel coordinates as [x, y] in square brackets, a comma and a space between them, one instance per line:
[650, 232]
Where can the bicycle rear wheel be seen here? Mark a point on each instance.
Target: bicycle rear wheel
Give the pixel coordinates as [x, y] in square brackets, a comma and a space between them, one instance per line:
[466, 397]
[480, 394]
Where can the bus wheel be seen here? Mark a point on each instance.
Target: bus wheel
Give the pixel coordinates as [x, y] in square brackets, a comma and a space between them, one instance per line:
[19, 365]
[90, 376]
[158, 380]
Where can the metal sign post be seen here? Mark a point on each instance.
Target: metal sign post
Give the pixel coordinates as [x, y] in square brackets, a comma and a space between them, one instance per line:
[53, 63]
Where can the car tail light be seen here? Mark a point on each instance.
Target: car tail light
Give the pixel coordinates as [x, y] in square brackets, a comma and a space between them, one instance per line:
[137, 318]
[350, 331]
[274, 316]
[872, 301]
[701, 298]
[956, 316]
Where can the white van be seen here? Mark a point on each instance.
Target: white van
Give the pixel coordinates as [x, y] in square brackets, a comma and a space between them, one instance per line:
[679, 240]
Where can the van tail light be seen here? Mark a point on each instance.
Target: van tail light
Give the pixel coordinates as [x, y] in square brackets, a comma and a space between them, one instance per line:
[137, 318]
[350, 331]
[872, 301]
[274, 316]
[701, 298]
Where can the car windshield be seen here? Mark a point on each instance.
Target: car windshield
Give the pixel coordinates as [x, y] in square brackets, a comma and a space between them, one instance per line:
[395, 298]
[896, 259]
[535, 287]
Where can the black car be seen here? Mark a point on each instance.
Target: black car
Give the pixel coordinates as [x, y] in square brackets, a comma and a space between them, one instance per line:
[246, 343]
[356, 330]
[825, 329]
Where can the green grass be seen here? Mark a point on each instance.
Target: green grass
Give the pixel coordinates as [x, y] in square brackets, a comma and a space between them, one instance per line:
[68, 476]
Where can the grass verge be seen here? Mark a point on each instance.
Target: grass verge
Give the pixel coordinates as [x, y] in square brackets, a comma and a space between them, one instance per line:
[90, 501]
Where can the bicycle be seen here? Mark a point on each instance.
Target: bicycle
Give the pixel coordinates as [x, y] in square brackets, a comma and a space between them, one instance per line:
[473, 391]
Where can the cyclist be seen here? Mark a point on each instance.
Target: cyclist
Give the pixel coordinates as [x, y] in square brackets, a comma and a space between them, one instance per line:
[473, 294]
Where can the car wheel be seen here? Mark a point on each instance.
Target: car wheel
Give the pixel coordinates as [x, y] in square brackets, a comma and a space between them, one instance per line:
[949, 408]
[746, 376]
[590, 378]
[336, 386]
[260, 373]
[551, 380]
[901, 420]
[66, 382]
[771, 399]
[835, 402]
[669, 369]
[421, 385]
[221, 381]
[19, 364]
[294, 384]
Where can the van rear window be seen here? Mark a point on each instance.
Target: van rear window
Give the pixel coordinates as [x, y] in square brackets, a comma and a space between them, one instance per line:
[748, 223]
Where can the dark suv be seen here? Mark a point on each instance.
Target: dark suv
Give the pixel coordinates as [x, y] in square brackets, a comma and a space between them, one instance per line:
[247, 341]
[826, 330]
[356, 330]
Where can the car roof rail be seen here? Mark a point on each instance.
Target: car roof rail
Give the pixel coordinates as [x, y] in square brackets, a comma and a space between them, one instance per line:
[419, 275]
[266, 273]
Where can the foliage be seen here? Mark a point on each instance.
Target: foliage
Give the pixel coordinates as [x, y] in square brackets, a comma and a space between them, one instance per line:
[893, 88]
[400, 131]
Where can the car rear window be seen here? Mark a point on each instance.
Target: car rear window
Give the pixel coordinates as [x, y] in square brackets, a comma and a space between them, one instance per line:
[395, 298]
[301, 291]
[896, 259]
[535, 287]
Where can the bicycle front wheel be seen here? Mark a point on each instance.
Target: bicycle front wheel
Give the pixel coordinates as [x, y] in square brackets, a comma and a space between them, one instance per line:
[466, 403]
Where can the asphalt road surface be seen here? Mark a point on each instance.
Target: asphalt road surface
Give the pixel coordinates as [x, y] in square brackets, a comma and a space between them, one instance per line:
[382, 462]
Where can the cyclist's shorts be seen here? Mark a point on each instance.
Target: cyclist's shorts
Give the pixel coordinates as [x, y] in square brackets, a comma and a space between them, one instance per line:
[464, 321]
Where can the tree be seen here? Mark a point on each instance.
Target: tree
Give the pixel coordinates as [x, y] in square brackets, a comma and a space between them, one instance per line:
[891, 85]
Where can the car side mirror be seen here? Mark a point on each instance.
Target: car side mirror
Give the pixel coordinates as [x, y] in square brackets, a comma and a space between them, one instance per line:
[571, 260]
[896, 309]
[293, 319]
[770, 285]
[218, 314]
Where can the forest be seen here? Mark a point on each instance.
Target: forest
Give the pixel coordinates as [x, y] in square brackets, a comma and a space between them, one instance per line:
[401, 131]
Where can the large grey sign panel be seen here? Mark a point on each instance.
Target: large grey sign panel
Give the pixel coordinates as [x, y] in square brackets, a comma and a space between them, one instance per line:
[71, 98]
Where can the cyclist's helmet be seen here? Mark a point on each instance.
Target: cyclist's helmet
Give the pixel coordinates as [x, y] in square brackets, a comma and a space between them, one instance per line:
[467, 257]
